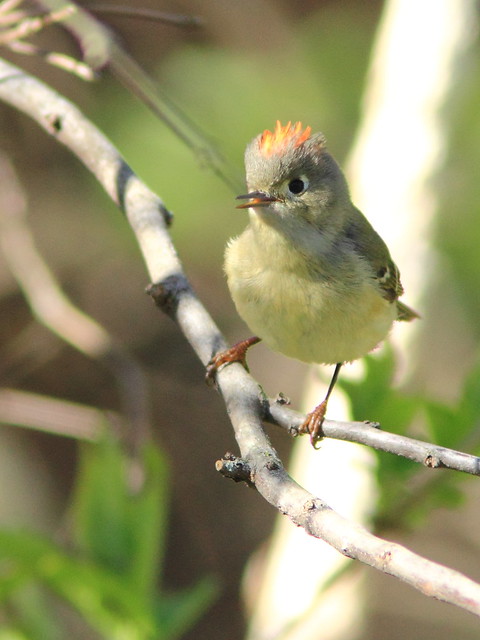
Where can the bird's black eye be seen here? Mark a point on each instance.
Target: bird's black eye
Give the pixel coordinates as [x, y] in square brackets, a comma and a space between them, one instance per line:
[297, 186]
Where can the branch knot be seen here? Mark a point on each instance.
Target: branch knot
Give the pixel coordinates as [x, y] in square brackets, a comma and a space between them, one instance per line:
[235, 468]
[166, 294]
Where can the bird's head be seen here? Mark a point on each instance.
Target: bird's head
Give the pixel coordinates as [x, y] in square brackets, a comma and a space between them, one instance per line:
[292, 177]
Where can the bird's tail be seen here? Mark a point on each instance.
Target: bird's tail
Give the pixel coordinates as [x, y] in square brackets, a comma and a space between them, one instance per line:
[405, 313]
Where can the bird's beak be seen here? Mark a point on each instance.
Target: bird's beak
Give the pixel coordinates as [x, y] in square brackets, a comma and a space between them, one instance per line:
[257, 199]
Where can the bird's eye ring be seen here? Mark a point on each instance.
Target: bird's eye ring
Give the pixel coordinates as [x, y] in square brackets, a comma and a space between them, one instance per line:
[297, 186]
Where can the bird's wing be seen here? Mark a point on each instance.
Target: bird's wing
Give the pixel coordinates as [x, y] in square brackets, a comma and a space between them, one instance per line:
[373, 249]
[388, 277]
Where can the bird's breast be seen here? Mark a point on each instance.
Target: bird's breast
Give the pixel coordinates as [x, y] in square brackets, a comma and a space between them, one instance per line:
[315, 311]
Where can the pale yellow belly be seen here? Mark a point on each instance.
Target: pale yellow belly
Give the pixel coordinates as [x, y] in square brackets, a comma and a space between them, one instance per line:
[311, 320]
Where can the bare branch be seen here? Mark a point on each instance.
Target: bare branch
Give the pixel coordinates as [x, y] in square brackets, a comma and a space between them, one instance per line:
[59, 417]
[60, 60]
[28, 26]
[370, 434]
[101, 49]
[243, 398]
[53, 309]
[15, 26]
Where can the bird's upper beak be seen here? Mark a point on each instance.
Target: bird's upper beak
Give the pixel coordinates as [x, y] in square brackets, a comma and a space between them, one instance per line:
[257, 199]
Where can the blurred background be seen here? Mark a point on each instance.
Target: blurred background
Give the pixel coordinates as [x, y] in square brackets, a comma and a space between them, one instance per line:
[246, 66]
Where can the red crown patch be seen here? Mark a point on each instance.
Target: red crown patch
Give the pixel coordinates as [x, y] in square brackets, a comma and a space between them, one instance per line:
[276, 141]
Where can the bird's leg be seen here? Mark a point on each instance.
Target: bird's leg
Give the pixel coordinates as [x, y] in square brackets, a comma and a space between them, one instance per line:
[314, 420]
[237, 353]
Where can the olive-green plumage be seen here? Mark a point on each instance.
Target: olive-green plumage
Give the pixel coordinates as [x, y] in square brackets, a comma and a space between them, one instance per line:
[309, 275]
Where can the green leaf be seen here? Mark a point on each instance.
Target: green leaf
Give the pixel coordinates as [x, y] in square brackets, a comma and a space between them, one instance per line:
[468, 413]
[120, 535]
[147, 520]
[368, 394]
[99, 505]
[454, 426]
[178, 612]
[104, 599]
[373, 398]
[442, 422]
[113, 526]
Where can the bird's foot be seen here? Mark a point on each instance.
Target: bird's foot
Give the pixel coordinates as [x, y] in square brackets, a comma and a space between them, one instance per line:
[237, 353]
[313, 423]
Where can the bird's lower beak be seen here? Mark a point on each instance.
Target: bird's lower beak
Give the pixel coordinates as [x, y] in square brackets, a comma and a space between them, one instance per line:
[257, 199]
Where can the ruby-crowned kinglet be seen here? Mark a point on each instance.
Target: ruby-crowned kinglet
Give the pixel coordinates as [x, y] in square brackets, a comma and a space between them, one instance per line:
[309, 275]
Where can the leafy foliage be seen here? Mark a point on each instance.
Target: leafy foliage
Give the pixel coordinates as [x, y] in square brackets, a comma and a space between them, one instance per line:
[409, 493]
[109, 577]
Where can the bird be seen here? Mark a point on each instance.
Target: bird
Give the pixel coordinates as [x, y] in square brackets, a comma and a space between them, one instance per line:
[309, 275]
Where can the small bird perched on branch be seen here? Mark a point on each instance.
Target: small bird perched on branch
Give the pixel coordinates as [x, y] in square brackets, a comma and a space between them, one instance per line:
[309, 275]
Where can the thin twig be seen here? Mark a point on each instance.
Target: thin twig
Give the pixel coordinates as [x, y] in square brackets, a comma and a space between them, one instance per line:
[370, 434]
[29, 26]
[173, 19]
[59, 60]
[244, 401]
[8, 6]
[10, 18]
[24, 23]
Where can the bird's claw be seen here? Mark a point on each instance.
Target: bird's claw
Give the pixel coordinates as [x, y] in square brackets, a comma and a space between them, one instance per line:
[237, 353]
[222, 359]
[313, 424]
